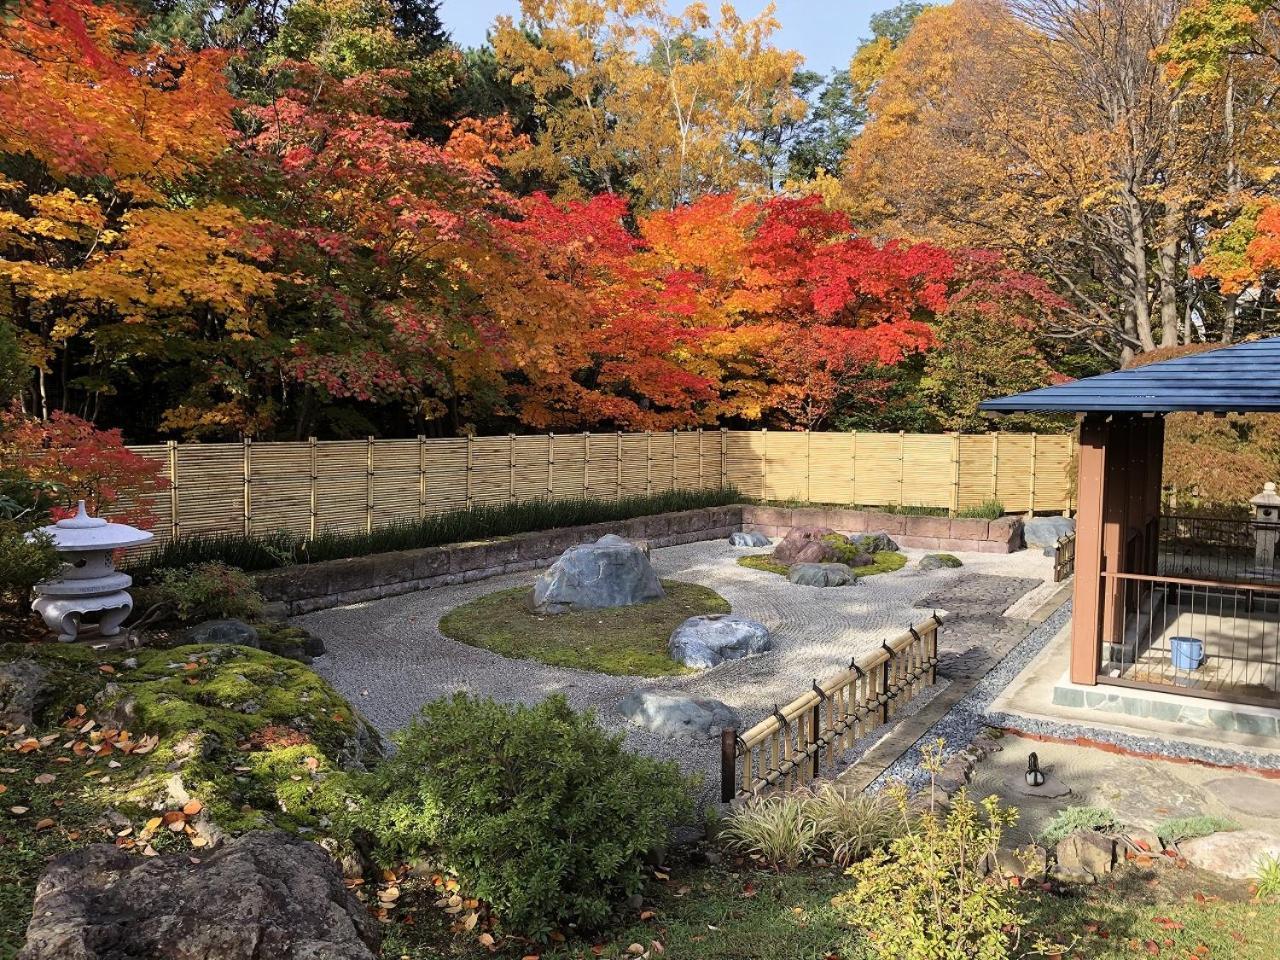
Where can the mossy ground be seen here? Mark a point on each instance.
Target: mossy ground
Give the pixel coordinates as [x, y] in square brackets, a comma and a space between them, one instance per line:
[621, 641]
[886, 561]
[254, 739]
[736, 912]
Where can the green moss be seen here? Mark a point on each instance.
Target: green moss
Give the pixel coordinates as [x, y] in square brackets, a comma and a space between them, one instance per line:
[765, 562]
[885, 561]
[947, 559]
[621, 641]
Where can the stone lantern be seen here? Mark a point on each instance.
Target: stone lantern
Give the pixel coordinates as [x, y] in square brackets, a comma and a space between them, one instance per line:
[1266, 527]
[89, 584]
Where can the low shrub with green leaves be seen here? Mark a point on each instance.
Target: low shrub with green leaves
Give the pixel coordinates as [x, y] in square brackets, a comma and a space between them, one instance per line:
[927, 897]
[282, 548]
[24, 563]
[1266, 884]
[537, 810]
[203, 591]
[1189, 828]
[1067, 821]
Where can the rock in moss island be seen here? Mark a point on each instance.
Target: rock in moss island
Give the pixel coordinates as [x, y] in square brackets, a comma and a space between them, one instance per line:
[797, 539]
[675, 716]
[222, 631]
[873, 542]
[704, 641]
[265, 894]
[612, 572]
[821, 574]
[745, 539]
[23, 688]
[939, 561]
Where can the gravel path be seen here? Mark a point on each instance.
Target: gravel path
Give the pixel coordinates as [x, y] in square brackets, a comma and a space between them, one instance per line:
[389, 658]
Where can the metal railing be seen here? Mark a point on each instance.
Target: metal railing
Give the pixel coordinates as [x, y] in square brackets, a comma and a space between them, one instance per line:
[1206, 638]
[1215, 548]
[788, 748]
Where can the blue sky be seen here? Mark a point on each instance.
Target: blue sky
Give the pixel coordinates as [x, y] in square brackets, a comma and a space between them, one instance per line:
[825, 31]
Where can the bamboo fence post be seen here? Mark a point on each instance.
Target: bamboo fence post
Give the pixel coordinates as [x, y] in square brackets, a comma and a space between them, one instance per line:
[675, 457]
[815, 725]
[314, 500]
[955, 472]
[368, 486]
[699, 458]
[511, 468]
[648, 461]
[173, 489]
[1035, 445]
[724, 458]
[853, 470]
[586, 463]
[248, 486]
[551, 464]
[764, 458]
[422, 477]
[902, 462]
[471, 445]
[995, 465]
[808, 465]
[617, 480]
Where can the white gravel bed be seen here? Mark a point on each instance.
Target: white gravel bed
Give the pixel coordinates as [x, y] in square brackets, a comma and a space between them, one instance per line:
[389, 658]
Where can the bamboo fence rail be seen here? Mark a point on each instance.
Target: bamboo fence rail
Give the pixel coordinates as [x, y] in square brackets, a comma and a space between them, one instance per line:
[789, 748]
[356, 485]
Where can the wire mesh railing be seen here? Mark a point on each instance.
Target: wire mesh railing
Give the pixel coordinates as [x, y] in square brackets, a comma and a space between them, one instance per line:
[1218, 548]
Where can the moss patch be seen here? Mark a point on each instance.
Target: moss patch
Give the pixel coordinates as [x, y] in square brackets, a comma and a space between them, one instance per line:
[247, 739]
[620, 641]
[886, 561]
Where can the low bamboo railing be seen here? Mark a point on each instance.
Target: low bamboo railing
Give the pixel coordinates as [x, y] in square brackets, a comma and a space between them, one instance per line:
[1064, 558]
[787, 749]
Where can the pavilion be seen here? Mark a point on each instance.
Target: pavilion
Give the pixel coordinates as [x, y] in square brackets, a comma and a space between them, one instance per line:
[1182, 604]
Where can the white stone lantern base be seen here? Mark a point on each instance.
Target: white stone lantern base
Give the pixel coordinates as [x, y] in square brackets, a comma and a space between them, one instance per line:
[64, 614]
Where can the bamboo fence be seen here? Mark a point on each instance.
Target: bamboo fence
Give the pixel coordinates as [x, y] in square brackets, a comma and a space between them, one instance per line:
[788, 749]
[357, 485]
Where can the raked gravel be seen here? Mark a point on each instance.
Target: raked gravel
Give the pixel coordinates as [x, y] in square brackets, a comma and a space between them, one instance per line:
[389, 658]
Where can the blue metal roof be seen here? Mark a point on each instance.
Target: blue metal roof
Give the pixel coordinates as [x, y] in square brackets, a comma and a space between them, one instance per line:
[1236, 379]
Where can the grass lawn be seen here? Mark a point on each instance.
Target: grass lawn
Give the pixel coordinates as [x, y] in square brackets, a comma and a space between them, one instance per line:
[728, 913]
[886, 561]
[621, 641]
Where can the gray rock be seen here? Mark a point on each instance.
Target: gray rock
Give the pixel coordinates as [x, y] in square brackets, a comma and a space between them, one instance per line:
[873, 542]
[222, 631]
[1084, 856]
[674, 716]
[612, 572]
[822, 574]
[796, 540]
[1236, 854]
[1026, 863]
[265, 894]
[939, 561]
[23, 692]
[748, 540]
[1046, 531]
[705, 641]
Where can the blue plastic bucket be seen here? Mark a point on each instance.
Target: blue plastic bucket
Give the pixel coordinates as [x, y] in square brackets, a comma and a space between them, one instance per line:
[1187, 653]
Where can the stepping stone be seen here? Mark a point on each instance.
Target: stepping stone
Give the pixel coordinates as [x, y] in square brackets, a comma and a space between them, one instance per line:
[1252, 796]
[1052, 788]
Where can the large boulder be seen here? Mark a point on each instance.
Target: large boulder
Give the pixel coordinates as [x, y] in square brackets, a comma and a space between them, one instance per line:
[265, 894]
[23, 691]
[675, 716]
[1044, 532]
[821, 574]
[704, 641]
[1084, 856]
[1234, 853]
[222, 631]
[748, 539]
[612, 572]
[873, 542]
[798, 539]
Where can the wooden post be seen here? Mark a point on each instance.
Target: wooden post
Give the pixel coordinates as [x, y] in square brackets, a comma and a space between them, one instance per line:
[1086, 610]
[173, 489]
[311, 520]
[815, 722]
[422, 477]
[368, 487]
[729, 763]
[248, 486]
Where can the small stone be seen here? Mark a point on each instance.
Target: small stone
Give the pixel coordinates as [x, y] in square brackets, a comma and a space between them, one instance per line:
[129, 663]
[939, 561]
[745, 539]
[235, 632]
[1085, 853]
[1026, 863]
[821, 574]
[675, 716]
[704, 641]
[23, 692]
[635, 901]
[1141, 841]
[1234, 853]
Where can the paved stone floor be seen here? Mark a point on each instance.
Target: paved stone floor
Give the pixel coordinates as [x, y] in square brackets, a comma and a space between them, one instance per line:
[389, 658]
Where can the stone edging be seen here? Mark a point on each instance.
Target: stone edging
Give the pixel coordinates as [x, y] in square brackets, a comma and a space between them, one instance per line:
[332, 583]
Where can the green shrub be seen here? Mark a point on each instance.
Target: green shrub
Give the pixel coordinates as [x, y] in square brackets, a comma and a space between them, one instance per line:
[778, 830]
[1267, 882]
[24, 563]
[205, 591]
[852, 827]
[282, 548]
[927, 897]
[536, 809]
[987, 510]
[1067, 821]
[1189, 828]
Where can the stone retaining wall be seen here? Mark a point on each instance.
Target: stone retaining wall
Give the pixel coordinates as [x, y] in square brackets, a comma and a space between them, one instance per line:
[926, 533]
[332, 583]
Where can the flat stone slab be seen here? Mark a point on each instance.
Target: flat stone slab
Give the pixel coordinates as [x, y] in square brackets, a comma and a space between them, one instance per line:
[1052, 788]
[822, 574]
[1248, 795]
[703, 642]
[748, 540]
[1236, 853]
[671, 715]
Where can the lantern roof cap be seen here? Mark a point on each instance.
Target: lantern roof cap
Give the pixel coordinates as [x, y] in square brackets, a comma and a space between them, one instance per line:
[82, 532]
[1268, 497]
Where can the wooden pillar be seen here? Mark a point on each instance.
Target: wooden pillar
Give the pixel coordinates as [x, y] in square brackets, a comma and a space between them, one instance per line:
[1086, 613]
